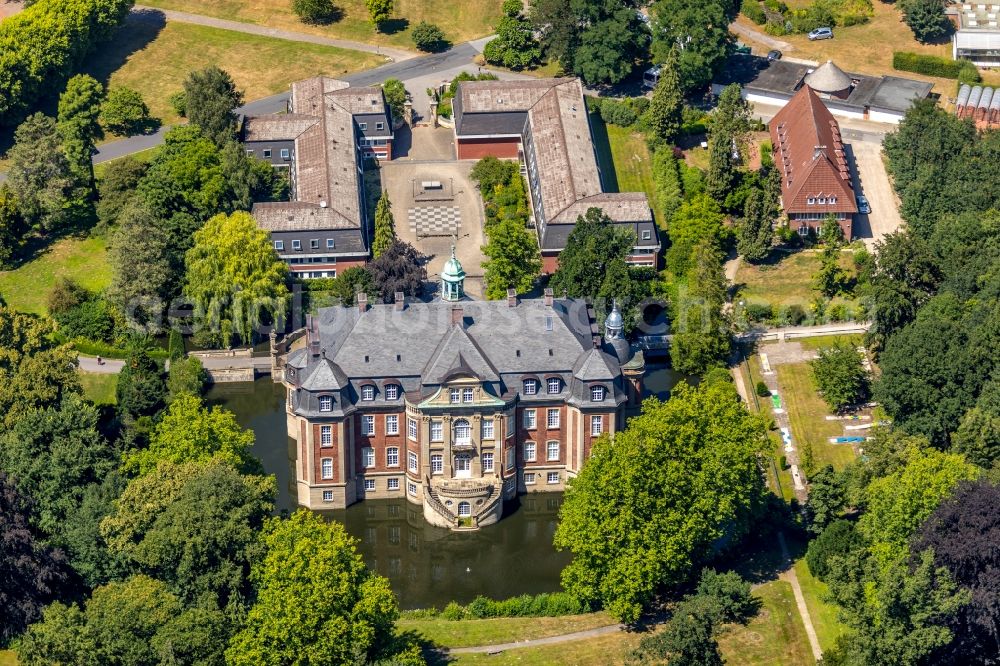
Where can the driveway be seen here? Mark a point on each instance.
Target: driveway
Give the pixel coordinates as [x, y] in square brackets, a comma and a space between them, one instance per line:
[870, 179]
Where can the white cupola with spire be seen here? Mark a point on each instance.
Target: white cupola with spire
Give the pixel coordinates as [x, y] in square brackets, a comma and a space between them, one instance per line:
[614, 324]
[452, 279]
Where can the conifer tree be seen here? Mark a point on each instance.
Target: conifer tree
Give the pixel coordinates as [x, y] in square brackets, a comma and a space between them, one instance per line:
[385, 227]
[668, 102]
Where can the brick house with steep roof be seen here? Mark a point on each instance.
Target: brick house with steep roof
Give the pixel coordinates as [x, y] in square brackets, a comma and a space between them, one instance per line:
[815, 176]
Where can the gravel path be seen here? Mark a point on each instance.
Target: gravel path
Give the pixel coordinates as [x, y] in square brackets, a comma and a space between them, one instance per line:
[758, 36]
[110, 366]
[263, 31]
[551, 640]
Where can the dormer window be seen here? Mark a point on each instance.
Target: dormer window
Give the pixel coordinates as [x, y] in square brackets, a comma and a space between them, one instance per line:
[822, 200]
[325, 403]
[455, 396]
[363, 126]
[554, 385]
[597, 393]
[810, 201]
[392, 392]
[367, 392]
[379, 126]
[530, 387]
[329, 243]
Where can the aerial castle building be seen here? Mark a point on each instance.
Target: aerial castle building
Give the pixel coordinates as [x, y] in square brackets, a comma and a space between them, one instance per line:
[456, 405]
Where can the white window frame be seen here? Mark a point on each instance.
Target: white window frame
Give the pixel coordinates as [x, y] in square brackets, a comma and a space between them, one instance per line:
[367, 424]
[392, 424]
[530, 452]
[454, 396]
[464, 509]
[392, 392]
[286, 154]
[326, 435]
[411, 429]
[379, 126]
[437, 463]
[369, 485]
[437, 431]
[596, 425]
[330, 244]
[530, 419]
[327, 495]
[553, 383]
[367, 457]
[279, 245]
[411, 488]
[392, 456]
[598, 393]
[487, 429]
[313, 243]
[296, 245]
[363, 126]
[326, 403]
[529, 478]
[392, 484]
[466, 428]
[552, 477]
[367, 392]
[468, 395]
[552, 418]
[326, 468]
[552, 450]
[530, 387]
[266, 152]
[487, 460]
[412, 461]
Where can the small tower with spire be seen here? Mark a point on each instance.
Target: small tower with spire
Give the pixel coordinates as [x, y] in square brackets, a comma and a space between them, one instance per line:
[452, 279]
[614, 324]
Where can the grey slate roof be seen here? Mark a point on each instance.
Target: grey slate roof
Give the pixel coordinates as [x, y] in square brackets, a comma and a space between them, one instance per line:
[595, 365]
[457, 353]
[324, 374]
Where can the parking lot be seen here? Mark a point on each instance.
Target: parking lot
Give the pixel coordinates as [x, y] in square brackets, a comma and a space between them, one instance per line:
[871, 180]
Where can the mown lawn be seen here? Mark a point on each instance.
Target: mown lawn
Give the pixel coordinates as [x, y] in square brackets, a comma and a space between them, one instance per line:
[83, 259]
[8, 658]
[775, 637]
[625, 161]
[99, 388]
[807, 415]
[460, 20]
[787, 278]
[156, 60]
[867, 49]
[463, 633]
[609, 650]
[778, 479]
[822, 612]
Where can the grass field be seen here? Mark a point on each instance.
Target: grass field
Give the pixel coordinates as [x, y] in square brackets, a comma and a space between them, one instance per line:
[625, 161]
[462, 633]
[778, 479]
[867, 49]
[460, 21]
[821, 341]
[8, 658]
[99, 388]
[776, 637]
[155, 61]
[786, 279]
[806, 412]
[609, 650]
[83, 259]
[822, 613]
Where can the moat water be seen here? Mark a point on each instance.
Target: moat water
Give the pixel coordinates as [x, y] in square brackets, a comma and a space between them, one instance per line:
[426, 565]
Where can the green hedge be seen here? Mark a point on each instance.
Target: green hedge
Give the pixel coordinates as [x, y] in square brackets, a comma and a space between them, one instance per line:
[929, 65]
[104, 350]
[526, 605]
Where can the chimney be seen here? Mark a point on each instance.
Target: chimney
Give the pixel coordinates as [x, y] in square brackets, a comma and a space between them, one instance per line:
[457, 315]
[548, 296]
[400, 301]
[511, 298]
[362, 302]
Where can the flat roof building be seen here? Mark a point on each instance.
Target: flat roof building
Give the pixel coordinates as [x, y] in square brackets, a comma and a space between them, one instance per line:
[978, 35]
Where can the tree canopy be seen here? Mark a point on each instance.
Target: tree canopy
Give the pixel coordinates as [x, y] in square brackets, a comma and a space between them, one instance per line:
[840, 376]
[646, 507]
[211, 98]
[399, 268]
[512, 259]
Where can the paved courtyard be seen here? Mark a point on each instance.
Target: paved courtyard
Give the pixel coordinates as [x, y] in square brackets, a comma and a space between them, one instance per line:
[871, 180]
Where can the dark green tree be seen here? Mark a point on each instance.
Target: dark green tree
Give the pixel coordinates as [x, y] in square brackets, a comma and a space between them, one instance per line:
[142, 279]
[140, 390]
[830, 279]
[665, 108]
[687, 640]
[840, 376]
[698, 219]
[827, 498]
[186, 376]
[755, 235]
[698, 30]
[512, 259]
[211, 101]
[395, 97]
[428, 37]
[116, 187]
[13, 227]
[926, 19]
[399, 268]
[318, 12]
[385, 226]
[838, 539]
[124, 112]
[701, 333]
[40, 176]
[515, 46]
[79, 108]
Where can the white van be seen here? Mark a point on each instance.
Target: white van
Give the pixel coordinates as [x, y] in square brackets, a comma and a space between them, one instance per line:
[651, 77]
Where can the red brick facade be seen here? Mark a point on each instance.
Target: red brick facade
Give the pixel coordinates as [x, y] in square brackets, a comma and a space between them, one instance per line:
[476, 149]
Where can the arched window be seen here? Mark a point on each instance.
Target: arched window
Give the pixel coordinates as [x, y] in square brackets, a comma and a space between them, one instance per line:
[463, 431]
[464, 509]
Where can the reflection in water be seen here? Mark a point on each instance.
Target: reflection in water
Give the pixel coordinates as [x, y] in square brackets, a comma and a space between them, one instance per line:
[427, 566]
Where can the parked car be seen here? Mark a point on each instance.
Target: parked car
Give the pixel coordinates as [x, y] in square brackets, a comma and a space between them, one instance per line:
[863, 206]
[773, 55]
[821, 33]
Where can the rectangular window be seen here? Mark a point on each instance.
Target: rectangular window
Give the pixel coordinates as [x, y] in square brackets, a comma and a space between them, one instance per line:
[647, 235]
[296, 245]
[487, 462]
[379, 126]
[249, 152]
[530, 387]
[391, 424]
[285, 154]
[529, 419]
[392, 457]
[411, 488]
[326, 468]
[508, 424]
[392, 484]
[411, 461]
[529, 478]
[392, 392]
[369, 485]
[411, 429]
[326, 435]
[529, 452]
[279, 245]
[329, 243]
[554, 385]
[467, 395]
[810, 201]
[552, 451]
[437, 463]
[437, 431]
[510, 458]
[368, 457]
[325, 403]
[596, 425]
[597, 393]
[552, 418]
[553, 477]
[455, 396]
[266, 152]
[313, 243]
[487, 429]
[327, 495]
[363, 126]
[368, 425]
[367, 392]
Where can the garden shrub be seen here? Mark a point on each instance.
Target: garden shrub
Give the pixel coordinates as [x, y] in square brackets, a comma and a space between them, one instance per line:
[930, 65]
[453, 611]
[615, 112]
[762, 390]
[753, 11]
[759, 311]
